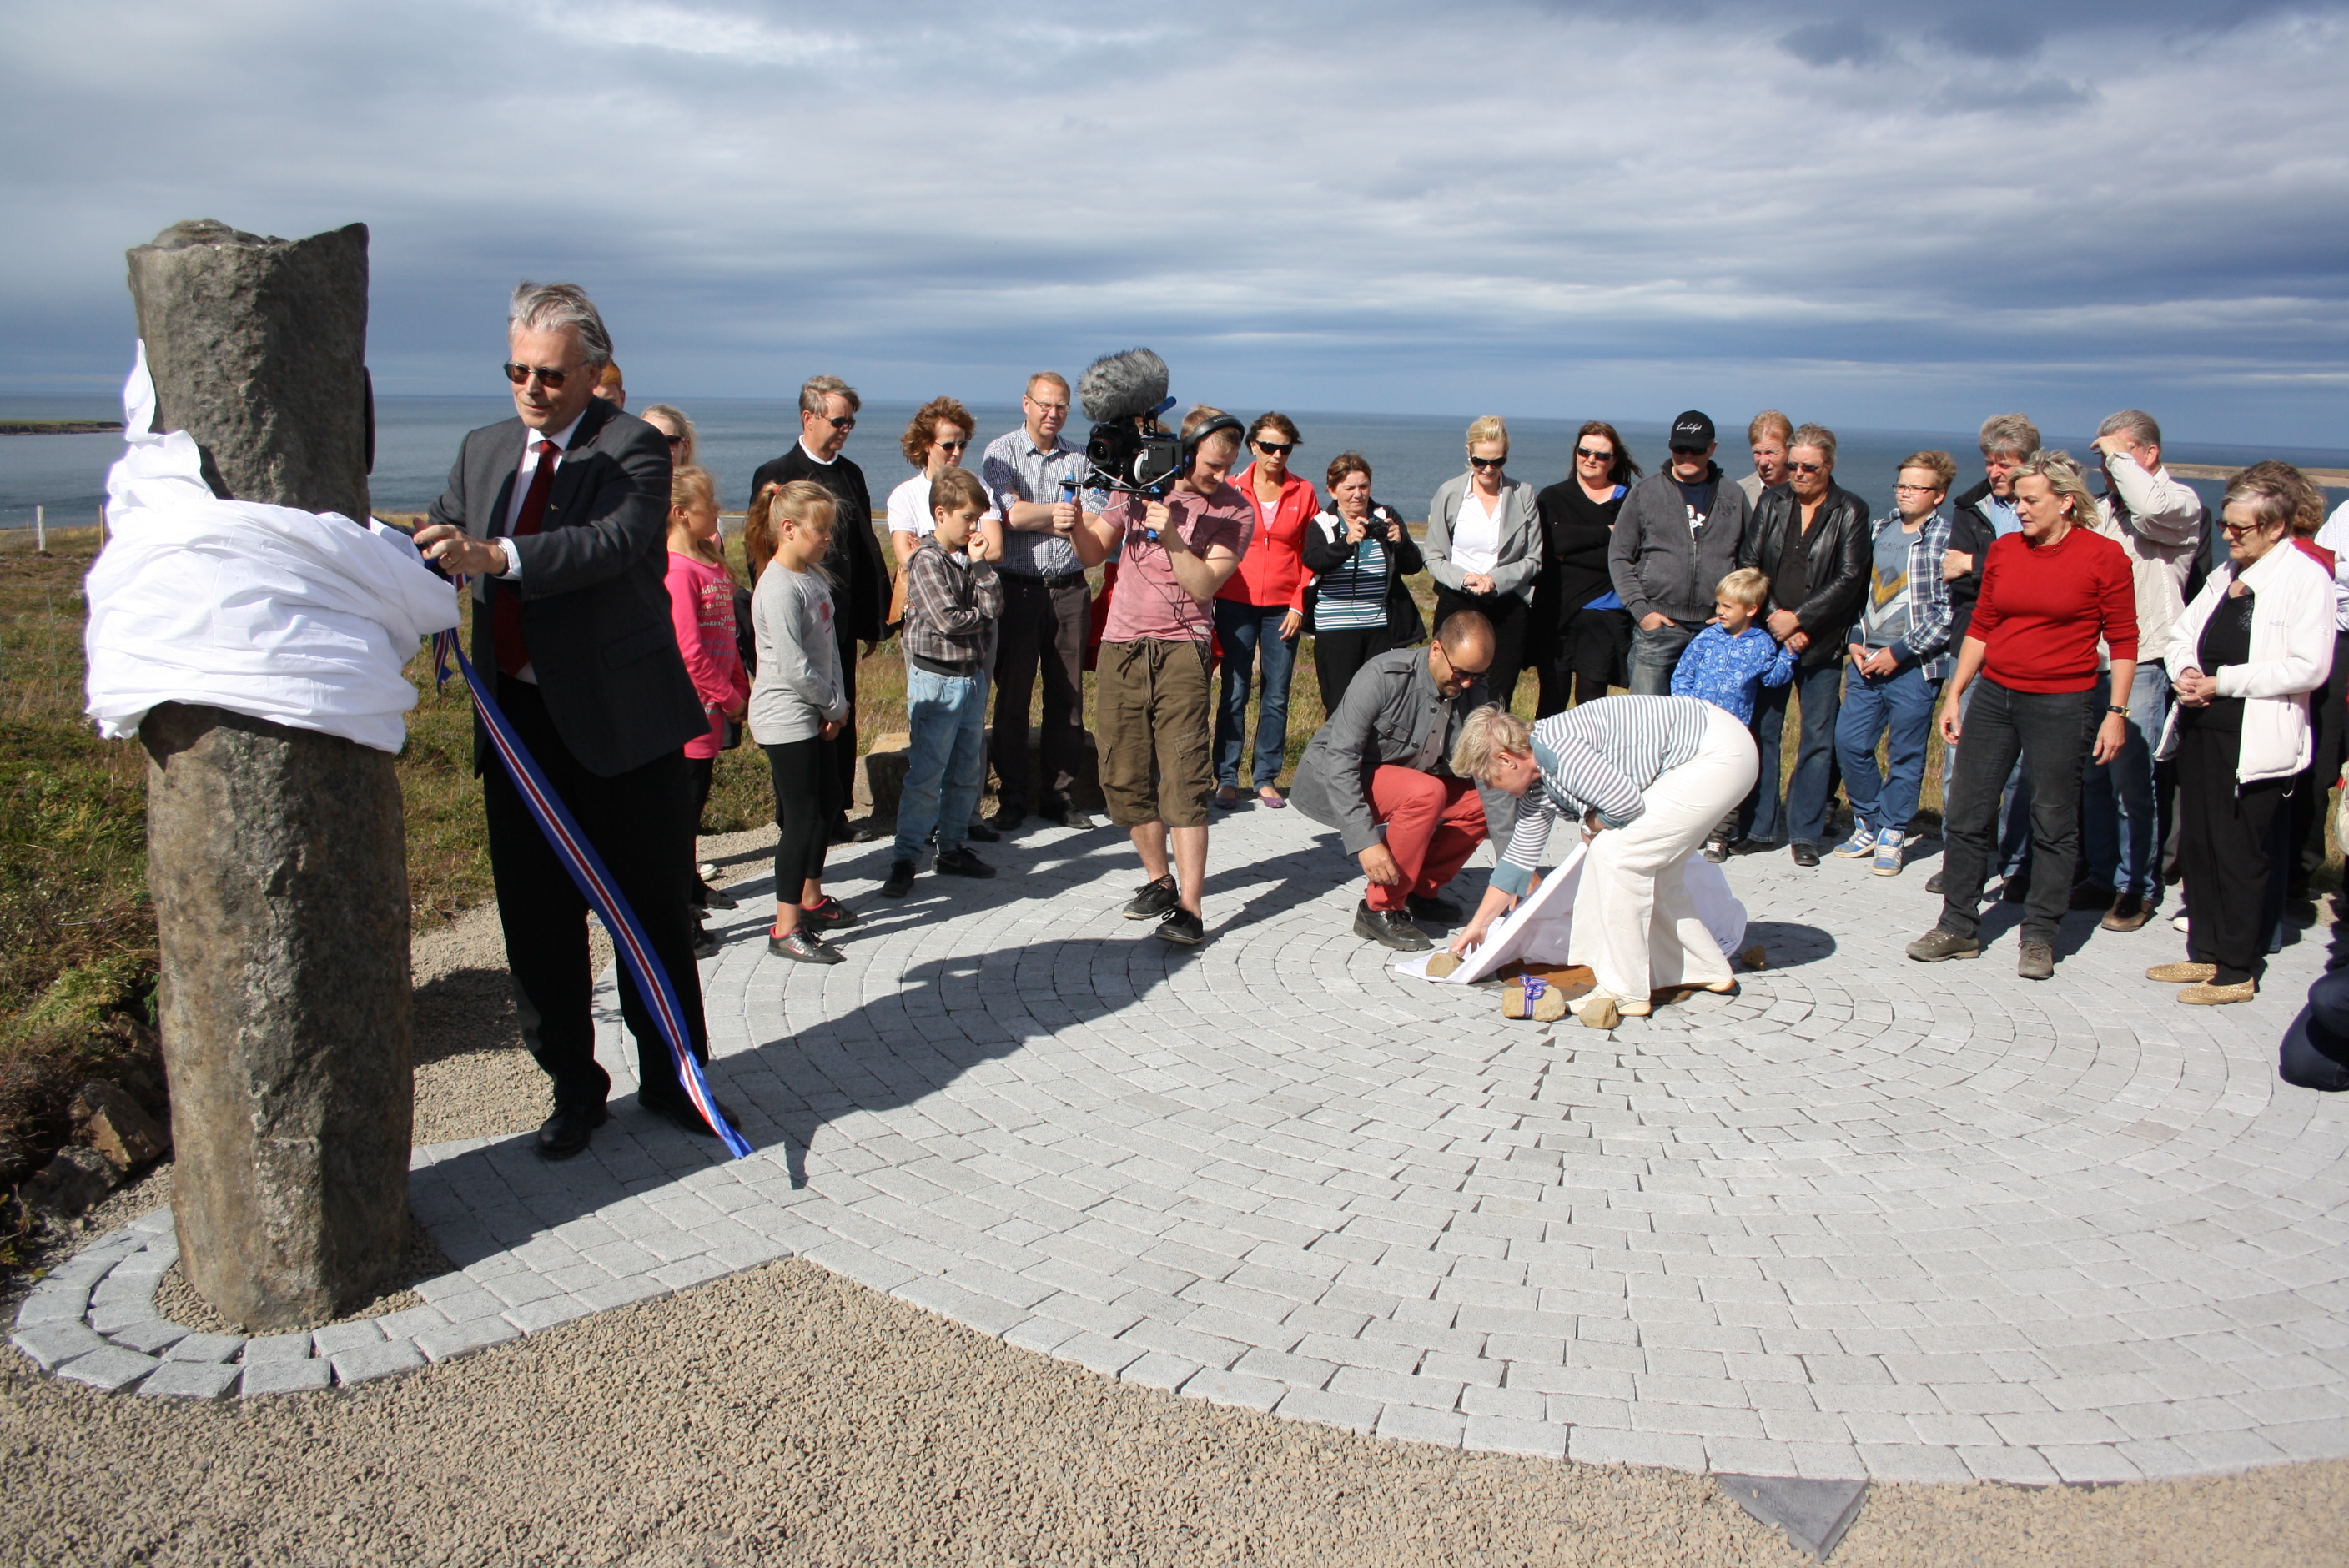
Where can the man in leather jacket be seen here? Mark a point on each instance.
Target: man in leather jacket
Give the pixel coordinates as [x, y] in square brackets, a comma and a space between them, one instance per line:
[1811, 538]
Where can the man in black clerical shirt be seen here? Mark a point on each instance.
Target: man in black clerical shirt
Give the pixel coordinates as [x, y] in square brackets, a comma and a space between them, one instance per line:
[860, 579]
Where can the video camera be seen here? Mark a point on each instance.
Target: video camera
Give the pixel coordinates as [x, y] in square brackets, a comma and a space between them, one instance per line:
[1124, 394]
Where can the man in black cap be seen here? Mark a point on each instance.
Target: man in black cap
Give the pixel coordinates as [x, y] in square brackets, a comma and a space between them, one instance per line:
[1675, 540]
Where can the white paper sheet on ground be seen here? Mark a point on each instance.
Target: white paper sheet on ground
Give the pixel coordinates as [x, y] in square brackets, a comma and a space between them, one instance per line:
[301, 618]
[1540, 930]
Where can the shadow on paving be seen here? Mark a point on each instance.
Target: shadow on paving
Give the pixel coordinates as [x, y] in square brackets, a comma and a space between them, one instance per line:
[944, 1016]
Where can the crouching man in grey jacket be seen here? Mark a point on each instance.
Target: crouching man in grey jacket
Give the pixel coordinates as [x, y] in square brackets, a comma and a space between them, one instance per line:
[1675, 540]
[1380, 772]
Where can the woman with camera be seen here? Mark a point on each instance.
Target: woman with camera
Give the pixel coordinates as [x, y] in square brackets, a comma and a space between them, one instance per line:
[1484, 547]
[1360, 552]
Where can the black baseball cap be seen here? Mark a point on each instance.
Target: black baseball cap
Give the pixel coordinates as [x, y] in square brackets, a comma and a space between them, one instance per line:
[1692, 432]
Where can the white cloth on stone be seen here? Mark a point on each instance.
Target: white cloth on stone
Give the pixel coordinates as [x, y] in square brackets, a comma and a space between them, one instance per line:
[1540, 931]
[300, 618]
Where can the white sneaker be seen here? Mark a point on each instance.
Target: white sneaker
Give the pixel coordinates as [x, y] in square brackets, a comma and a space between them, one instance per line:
[1888, 853]
[1859, 846]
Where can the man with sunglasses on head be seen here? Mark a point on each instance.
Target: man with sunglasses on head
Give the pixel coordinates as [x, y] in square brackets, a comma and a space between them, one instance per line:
[1812, 539]
[560, 516]
[1047, 606]
[1380, 772]
[860, 579]
[1675, 538]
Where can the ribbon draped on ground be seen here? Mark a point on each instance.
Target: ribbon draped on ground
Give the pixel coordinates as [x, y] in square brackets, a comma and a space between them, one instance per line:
[586, 867]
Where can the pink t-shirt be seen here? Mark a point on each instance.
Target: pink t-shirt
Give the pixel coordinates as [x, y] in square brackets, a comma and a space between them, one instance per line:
[701, 607]
[1150, 602]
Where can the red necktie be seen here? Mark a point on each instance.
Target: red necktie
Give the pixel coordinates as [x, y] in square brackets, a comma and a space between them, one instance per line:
[505, 603]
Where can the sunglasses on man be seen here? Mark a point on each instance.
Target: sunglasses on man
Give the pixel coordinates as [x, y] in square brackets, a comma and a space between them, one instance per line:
[551, 380]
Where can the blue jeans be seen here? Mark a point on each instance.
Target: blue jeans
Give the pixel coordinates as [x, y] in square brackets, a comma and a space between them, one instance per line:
[1804, 820]
[1902, 703]
[946, 758]
[2120, 826]
[1247, 630]
[1656, 654]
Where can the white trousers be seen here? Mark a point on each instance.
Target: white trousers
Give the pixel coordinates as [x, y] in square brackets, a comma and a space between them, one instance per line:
[1634, 924]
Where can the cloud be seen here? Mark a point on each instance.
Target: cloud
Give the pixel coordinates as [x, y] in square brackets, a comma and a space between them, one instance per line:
[1499, 203]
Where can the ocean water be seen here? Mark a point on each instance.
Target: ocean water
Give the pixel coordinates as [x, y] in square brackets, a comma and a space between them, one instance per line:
[417, 440]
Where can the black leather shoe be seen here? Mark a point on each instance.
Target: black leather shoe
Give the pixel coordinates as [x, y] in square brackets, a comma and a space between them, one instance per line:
[838, 832]
[1009, 818]
[1436, 911]
[901, 880]
[1075, 817]
[681, 1112]
[980, 833]
[565, 1133]
[716, 898]
[2017, 888]
[958, 861]
[1806, 854]
[1933, 882]
[704, 945]
[1389, 928]
[2092, 896]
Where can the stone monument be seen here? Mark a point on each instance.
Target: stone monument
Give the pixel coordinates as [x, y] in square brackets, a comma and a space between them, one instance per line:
[277, 857]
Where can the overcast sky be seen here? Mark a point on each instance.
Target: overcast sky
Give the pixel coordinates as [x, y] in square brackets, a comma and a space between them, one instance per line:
[1873, 214]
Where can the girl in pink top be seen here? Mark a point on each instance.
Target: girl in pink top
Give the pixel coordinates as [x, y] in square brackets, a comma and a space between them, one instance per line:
[701, 605]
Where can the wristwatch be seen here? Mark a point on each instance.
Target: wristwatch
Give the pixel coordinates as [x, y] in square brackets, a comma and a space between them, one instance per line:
[2116, 707]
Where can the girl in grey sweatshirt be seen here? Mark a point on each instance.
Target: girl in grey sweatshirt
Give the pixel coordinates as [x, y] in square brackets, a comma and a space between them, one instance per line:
[797, 704]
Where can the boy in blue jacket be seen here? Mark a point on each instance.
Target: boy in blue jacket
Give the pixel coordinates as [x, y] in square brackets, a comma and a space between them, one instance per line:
[1729, 661]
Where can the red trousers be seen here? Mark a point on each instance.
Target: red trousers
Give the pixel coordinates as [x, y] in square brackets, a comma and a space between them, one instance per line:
[1433, 825]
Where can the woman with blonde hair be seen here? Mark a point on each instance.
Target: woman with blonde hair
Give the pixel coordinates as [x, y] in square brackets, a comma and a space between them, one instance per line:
[1647, 778]
[2051, 594]
[671, 421]
[1484, 549]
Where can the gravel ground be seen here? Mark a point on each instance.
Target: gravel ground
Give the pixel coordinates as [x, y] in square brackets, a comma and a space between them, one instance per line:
[786, 1415]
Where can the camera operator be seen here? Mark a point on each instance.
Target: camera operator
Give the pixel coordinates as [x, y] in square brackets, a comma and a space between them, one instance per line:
[1151, 692]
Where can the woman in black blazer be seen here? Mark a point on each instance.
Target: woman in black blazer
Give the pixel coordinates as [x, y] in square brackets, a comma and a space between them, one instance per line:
[1359, 606]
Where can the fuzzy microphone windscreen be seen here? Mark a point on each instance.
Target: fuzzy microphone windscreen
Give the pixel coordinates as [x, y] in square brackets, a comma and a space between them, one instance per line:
[1118, 386]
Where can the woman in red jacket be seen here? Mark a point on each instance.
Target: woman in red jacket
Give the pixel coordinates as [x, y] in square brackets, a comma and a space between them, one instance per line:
[2050, 595]
[1260, 611]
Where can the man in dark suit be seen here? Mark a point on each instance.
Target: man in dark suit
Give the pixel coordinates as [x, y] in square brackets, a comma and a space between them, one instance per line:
[560, 516]
[860, 580]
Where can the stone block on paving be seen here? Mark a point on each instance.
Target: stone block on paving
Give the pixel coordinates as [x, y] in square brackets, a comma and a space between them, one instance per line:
[462, 1338]
[380, 1360]
[337, 1337]
[108, 1368]
[205, 1347]
[275, 1347]
[51, 1345]
[191, 1380]
[287, 1376]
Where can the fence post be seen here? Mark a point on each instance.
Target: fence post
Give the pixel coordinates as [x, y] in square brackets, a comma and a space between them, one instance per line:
[40, 531]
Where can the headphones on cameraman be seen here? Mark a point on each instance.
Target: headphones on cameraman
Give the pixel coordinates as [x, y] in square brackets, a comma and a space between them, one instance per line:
[1199, 438]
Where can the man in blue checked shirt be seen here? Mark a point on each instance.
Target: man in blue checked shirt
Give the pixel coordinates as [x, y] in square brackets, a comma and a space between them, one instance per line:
[1899, 650]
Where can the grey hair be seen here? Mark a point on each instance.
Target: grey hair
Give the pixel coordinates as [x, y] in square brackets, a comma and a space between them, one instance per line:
[812, 396]
[1817, 435]
[2136, 424]
[545, 307]
[2008, 433]
[1484, 734]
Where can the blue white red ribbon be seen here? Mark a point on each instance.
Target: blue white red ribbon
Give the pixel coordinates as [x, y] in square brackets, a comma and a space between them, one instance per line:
[586, 867]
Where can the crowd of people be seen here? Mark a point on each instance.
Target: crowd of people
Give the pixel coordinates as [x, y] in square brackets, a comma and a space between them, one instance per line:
[2128, 693]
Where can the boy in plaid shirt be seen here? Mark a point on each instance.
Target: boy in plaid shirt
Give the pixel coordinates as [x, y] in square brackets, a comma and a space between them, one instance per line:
[953, 599]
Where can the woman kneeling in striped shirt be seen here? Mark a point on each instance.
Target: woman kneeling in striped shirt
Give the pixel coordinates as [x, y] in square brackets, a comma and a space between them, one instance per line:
[1648, 777]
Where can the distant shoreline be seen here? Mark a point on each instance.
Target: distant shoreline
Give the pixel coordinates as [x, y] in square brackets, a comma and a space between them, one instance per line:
[2329, 478]
[60, 427]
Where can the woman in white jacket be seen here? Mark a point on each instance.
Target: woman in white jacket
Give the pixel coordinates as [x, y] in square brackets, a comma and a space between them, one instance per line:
[2242, 659]
[1484, 549]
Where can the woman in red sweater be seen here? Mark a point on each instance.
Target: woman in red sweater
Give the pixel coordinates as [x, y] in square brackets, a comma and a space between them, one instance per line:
[2050, 595]
[1261, 609]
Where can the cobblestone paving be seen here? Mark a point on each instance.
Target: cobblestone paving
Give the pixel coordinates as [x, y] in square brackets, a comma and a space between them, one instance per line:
[1867, 1218]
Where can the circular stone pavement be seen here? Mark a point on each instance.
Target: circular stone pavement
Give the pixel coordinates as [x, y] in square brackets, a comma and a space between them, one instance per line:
[1868, 1217]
